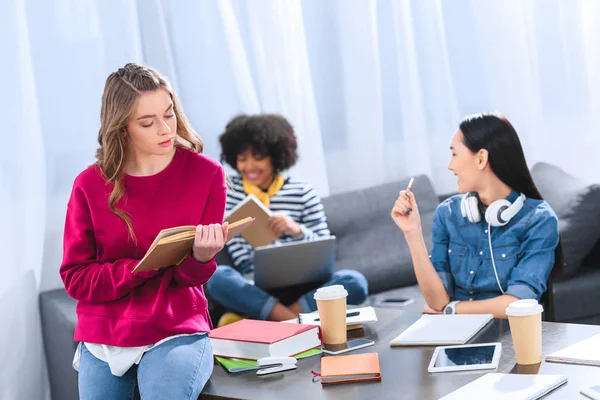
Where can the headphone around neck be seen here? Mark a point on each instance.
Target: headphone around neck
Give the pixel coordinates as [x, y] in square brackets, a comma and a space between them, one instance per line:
[499, 213]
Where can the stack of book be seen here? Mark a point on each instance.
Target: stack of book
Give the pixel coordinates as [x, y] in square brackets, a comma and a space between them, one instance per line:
[240, 344]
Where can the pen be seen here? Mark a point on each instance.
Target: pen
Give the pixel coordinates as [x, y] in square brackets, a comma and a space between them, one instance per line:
[410, 182]
[350, 314]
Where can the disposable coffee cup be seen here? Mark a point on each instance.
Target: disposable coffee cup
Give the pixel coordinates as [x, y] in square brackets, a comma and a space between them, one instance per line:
[525, 320]
[331, 304]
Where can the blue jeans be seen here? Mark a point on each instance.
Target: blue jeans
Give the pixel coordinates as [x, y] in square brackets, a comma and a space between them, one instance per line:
[176, 369]
[229, 288]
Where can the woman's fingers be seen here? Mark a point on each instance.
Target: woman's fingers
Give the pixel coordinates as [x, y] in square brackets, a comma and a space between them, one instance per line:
[404, 201]
[399, 210]
[218, 235]
[401, 207]
[411, 198]
[225, 231]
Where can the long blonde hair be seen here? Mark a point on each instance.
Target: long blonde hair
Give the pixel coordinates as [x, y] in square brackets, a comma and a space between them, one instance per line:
[121, 91]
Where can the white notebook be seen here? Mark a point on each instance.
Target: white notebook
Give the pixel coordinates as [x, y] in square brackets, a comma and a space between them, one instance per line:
[442, 330]
[495, 386]
[365, 315]
[586, 352]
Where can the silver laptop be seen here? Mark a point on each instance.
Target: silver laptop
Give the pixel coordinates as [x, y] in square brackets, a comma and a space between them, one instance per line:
[294, 263]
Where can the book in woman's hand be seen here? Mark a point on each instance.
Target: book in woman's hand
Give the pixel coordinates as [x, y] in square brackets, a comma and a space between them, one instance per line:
[171, 246]
[259, 234]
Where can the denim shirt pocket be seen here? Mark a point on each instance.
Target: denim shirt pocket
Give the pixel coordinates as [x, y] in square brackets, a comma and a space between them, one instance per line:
[456, 255]
[505, 258]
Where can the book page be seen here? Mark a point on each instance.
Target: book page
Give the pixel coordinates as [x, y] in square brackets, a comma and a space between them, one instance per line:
[173, 231]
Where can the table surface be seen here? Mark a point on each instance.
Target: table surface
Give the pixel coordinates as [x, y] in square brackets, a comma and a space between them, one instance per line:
[404, 369]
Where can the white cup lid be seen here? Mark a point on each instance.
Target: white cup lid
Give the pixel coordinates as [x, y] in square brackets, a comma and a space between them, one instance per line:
[330, 292]
[524, 308]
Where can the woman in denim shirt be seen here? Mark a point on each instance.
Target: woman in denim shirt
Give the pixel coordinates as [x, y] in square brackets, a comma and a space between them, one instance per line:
[498, 203]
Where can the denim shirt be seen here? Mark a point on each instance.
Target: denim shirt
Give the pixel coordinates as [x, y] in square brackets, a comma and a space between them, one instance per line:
[524, 251]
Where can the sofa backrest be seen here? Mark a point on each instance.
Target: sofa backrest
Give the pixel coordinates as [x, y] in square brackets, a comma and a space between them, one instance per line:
[368, 240]
[575, 203]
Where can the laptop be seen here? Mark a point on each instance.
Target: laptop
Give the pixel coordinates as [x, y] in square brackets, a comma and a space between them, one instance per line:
[294, 263]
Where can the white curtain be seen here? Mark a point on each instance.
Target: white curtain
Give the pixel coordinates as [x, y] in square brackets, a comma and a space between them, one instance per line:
[393, 78]
[375, 89]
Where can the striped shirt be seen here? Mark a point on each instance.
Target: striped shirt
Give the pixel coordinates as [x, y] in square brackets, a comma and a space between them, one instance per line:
[297, 199]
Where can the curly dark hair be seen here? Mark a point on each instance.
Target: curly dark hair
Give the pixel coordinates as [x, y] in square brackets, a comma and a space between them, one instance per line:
[267, 135]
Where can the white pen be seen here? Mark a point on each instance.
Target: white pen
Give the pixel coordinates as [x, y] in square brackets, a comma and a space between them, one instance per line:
[410, 182]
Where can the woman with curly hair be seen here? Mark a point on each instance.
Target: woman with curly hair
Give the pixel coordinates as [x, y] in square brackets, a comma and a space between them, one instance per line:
[261, 148]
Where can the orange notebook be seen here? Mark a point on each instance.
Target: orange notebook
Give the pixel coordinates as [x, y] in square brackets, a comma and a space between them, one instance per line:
[354, 368]
[171, 246]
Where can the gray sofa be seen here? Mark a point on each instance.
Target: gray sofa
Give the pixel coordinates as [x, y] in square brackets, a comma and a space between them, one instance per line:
[573, 294]
[369, 241]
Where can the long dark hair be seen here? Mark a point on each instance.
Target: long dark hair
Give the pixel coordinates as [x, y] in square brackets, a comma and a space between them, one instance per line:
[495, 134]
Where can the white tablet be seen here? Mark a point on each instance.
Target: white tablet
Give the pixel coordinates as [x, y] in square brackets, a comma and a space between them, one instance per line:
[466, 357]
[593, 392]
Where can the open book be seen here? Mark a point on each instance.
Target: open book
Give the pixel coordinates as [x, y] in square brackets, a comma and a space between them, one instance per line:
[259, 234]
[171, 246]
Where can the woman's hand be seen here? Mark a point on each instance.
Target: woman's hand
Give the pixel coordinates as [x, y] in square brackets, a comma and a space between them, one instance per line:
[210, 239]
[428, 310]
[281, 224]
[405, 212]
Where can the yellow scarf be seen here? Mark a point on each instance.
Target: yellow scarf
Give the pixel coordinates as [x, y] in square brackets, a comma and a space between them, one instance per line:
[264, 197]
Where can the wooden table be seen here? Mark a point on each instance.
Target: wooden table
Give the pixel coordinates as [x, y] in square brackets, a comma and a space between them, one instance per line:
[404, 370]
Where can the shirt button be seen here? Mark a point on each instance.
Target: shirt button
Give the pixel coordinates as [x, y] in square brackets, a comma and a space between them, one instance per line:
[449, 250]
[471, 272]
[481, 253]
[503, 255]
[471, 299]
[485, 231]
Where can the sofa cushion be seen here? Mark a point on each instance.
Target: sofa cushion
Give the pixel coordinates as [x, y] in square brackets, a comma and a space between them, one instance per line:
[576, 298]
[575, 203]
[367, 238]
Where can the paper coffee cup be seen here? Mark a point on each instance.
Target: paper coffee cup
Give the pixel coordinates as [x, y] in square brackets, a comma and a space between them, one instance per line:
[331, 304]
[525, 320]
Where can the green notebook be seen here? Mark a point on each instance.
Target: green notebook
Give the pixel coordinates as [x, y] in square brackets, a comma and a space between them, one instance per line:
[237, 365]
